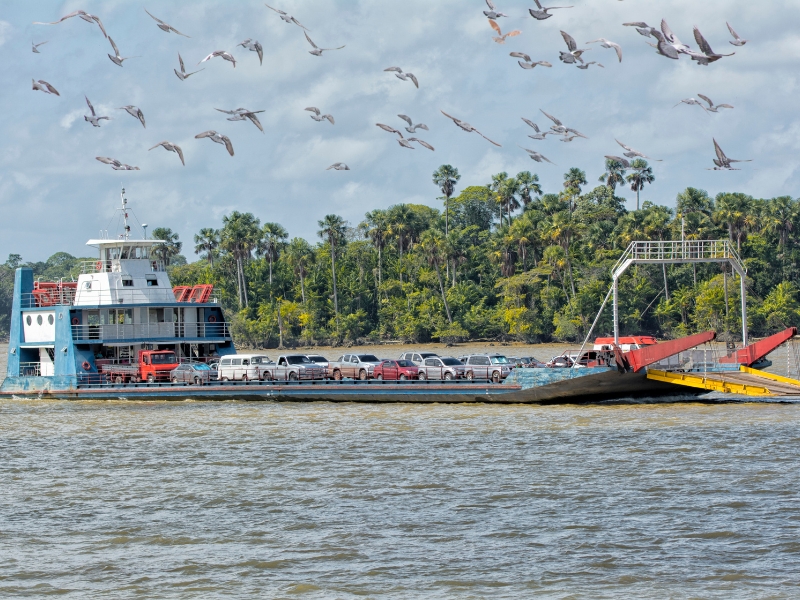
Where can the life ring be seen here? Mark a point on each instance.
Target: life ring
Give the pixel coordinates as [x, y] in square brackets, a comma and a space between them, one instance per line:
[86, 366]
[212, 319]
[99, 266]
[75, 320]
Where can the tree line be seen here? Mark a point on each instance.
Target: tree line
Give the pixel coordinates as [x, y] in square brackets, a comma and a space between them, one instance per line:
[504, 260]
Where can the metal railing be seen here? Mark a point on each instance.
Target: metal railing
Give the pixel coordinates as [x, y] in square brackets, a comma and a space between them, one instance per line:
[115, 266]
[67, 297]
[137, 331]
[679, 252]
[30, 369]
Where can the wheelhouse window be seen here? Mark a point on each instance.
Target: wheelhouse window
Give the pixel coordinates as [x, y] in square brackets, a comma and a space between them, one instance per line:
[152, 281]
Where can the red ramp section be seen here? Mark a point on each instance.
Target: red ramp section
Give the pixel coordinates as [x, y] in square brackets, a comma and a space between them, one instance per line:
[750, 354]
[638, 359]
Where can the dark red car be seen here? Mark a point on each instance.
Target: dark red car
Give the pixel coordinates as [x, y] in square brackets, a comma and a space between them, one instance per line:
[393, 370]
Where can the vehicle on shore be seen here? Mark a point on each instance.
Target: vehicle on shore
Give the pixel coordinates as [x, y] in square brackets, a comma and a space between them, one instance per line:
[152, 366]
[191, 372]
[354, 366]
[487, 366]
[442, 367]
[396, 370]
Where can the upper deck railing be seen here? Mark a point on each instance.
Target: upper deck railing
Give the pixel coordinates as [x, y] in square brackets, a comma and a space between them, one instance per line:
[686, 251]
[161, 331]
[115, 266]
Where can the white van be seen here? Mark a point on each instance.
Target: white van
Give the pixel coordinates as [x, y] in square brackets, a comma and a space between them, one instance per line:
[242, 367]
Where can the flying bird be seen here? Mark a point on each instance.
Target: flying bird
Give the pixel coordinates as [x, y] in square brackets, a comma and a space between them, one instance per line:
[317, 116]
[317, 51]
[723, 162]
[501, 38]
[542, 14]
[411, 127]
[134, 112]
[537, 156]
[78, 13]
[642, 27]
[115, 164]
[242, 114]
[468, 128]
[339, 167]
[117, 59]
[287, 18]
[609, 44]
[94, 119]
[388, 128]
[45, 87]
[35, 46]
[218, 138]
[560, 128]
[692, 102]
[254, 46]
[631, 153]
[405, 143]
[574, 53]
[622, 161]
[585, 66]
[714, 107]
[165, 26]
[737, 41]
[398, 72]
[492, 12]
[526, 62]
[183, 74]
[172, 148]
[422, 143]
[708, 55]
[539, 135]
[226, 55]
[672, 39]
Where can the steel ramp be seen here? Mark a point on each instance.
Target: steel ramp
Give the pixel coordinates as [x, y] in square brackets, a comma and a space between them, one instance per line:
[747, 382]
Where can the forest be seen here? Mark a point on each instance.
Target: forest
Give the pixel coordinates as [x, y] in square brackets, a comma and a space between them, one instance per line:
[503, 261]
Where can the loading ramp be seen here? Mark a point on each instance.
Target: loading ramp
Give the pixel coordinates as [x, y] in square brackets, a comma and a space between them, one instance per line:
[745, 381]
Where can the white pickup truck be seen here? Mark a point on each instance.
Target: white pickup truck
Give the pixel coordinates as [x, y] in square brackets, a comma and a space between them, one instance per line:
[292, 367]
[355, 366]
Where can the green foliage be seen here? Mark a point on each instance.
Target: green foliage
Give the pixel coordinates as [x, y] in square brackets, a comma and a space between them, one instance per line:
[506, 261]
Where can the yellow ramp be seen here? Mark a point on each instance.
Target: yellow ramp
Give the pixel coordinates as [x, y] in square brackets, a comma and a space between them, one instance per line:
[746, 385]
[772, 376]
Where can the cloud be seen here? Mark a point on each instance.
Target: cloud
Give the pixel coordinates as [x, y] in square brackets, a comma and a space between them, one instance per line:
[5, 31]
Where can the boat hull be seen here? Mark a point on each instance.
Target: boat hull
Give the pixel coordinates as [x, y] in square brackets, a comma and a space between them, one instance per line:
[525, 387]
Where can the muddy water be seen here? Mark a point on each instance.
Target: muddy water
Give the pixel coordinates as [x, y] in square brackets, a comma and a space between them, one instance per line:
[196, 499]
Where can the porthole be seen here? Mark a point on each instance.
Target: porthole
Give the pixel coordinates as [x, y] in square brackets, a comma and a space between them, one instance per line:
[50, 319]
[28, 320]
[39, 319]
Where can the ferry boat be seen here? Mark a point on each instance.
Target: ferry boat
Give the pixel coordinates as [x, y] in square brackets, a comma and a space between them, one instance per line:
[120, 329]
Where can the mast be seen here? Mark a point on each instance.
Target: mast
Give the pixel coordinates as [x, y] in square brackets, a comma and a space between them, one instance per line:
[127, 228]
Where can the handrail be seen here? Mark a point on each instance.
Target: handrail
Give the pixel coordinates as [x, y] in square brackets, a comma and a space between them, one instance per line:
[67, 297]
[134, 331]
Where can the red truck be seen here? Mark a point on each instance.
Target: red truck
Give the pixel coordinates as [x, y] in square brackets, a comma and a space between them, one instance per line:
[153, 366]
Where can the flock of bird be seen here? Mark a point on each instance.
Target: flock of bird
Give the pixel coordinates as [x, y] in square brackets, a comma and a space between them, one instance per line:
[666, 44]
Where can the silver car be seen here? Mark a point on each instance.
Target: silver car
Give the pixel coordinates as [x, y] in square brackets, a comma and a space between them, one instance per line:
[196, 373]
[441, 367]
[417, 357]
[487, 366]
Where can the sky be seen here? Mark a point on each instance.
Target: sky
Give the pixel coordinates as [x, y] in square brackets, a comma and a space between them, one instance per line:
[54, 195]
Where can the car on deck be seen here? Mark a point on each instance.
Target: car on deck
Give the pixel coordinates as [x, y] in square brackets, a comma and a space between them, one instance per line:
[396, 369]
[196, 373]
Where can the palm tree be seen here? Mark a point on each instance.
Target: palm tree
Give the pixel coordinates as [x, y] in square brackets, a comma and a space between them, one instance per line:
[273, 239]
[376, 224]
[642, 174]
[206, 243]
[332, 229]
[505, 190]
[614, 175]
[239, 235]
[573, 180]
[446, 178]
[401, 219]
[432, 243]
[657, 226]
[563, 230]
[299, 256]
[171, 246]
[528, 184]
[733, 210]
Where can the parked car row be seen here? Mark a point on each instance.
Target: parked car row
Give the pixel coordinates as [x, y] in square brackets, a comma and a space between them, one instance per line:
[412, 365]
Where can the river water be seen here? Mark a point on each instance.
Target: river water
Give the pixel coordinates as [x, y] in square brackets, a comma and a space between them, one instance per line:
[228, 499]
